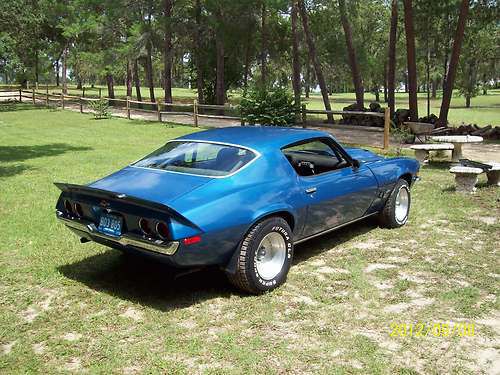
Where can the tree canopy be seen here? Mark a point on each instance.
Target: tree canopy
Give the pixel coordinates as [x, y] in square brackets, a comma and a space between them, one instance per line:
[219, 45]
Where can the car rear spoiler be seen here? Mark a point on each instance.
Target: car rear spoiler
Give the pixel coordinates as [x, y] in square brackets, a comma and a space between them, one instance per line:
[106, 194]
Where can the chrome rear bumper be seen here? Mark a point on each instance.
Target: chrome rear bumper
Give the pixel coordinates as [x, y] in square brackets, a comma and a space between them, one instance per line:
[89, 230]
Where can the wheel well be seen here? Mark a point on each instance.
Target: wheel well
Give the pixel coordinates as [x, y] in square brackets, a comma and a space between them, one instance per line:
[285, 215]
[407, 177]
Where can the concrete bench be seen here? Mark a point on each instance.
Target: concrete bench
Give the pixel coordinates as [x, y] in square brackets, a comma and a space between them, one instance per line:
[494, 173]
[466, 177]
[422, 151]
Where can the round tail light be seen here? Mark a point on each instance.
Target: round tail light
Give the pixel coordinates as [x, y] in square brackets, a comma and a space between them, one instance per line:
[162, 230]
[68, 207]
[78, 210]
[144, 225]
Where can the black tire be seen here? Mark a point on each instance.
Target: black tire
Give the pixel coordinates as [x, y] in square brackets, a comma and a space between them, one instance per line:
[247, 277]
[387, 216]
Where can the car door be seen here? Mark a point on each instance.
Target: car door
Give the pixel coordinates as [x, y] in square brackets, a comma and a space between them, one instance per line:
[334, 196]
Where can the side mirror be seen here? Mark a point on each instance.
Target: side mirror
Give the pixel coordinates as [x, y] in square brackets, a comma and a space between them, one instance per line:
[355, 163]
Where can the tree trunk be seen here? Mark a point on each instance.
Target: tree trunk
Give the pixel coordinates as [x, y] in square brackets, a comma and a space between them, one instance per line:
[307, 78]
[452, 69]
[168, 51]
[137, 81]
[219, 84]
[411, 59]
[467, 101]
[197, 54]
[263, 52]
[111, 86]
[314, 57]
[353, 62]
[485, 85]
[64, 70]
[377, 94]
[79, 83]
[149, 73]
[128, 80]
[385, 81]
[246, 72]
[295, 55]
[57, 72]
[434, 84]
[36, 65]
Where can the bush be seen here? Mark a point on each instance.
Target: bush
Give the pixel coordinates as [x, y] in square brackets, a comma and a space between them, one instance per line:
[268, 107]
[100, 108]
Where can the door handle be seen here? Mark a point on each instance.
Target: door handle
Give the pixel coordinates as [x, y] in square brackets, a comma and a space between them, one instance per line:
[311, 190]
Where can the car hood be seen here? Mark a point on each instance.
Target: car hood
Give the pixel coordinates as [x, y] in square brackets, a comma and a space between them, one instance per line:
[363, 155]
[150, 184]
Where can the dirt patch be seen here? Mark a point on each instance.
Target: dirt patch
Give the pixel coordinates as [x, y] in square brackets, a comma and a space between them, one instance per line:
[7, 348]
[378, 266]
[71, 336]
[133, 314]
[73, 364]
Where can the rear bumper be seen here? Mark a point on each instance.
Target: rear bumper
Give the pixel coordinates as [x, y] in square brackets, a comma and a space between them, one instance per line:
[89, 231]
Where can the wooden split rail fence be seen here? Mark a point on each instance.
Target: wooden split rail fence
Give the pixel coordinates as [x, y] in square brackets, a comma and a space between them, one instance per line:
[194, 109]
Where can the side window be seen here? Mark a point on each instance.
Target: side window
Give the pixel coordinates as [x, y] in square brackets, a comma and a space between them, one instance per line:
[314, 157]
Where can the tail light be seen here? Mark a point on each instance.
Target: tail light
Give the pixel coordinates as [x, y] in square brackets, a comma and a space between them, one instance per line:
[78, 210]
[68, 207]
[191, 240]
[145, 226]
[162, 230]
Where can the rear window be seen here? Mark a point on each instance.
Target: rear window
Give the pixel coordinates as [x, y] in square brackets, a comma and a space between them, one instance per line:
[200, 158]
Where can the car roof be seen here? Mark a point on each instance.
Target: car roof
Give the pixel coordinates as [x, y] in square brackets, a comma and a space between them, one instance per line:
[260, 138]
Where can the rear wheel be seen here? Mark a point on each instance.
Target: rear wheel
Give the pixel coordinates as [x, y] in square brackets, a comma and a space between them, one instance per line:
[397, 207]
[265, 256]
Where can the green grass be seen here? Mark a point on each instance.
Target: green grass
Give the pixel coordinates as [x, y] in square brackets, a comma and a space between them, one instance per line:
[66, 305]
[485, 109]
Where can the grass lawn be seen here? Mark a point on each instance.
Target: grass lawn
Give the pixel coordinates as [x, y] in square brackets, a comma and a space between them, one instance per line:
[485, 109]
[83, 307]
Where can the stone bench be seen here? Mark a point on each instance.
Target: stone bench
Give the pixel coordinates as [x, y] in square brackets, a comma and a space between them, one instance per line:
[422, 151]
[466, 177]
[494, 173]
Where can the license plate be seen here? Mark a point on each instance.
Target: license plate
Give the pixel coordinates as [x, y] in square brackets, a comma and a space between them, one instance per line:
[110, 225]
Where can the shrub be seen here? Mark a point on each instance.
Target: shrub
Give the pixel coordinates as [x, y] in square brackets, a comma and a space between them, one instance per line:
[100, 108]
[268, 107]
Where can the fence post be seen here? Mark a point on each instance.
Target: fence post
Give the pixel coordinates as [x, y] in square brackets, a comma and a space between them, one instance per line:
[62, 100]
[304, 116]
[128, 107]
[33, 95]
[20, 95]
[195, 112]
[387, 124]
[47, 95]
[158, 109]
[81, 105]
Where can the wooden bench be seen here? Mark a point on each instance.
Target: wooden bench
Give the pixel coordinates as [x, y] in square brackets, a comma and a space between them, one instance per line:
[466, 177]
[422, 151]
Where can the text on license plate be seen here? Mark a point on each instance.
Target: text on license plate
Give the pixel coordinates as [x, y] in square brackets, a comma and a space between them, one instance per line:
[110, 224]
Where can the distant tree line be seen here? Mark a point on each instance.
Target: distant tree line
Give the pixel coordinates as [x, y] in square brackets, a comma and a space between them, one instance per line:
[376, 46]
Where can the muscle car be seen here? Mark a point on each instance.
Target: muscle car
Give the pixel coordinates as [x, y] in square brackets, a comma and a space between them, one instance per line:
[239, 198]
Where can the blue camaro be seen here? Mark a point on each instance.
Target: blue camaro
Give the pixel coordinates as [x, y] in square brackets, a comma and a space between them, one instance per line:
[239, 198]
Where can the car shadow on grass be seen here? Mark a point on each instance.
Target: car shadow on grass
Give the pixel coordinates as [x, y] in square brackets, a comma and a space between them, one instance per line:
[148, 282]
[320, 244]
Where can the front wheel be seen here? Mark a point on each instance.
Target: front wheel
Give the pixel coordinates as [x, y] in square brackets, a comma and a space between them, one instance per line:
[397, 207]
[264, 256]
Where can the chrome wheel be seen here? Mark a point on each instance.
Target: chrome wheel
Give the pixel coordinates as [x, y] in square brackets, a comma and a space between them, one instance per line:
[270, 256]
[402, 204]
